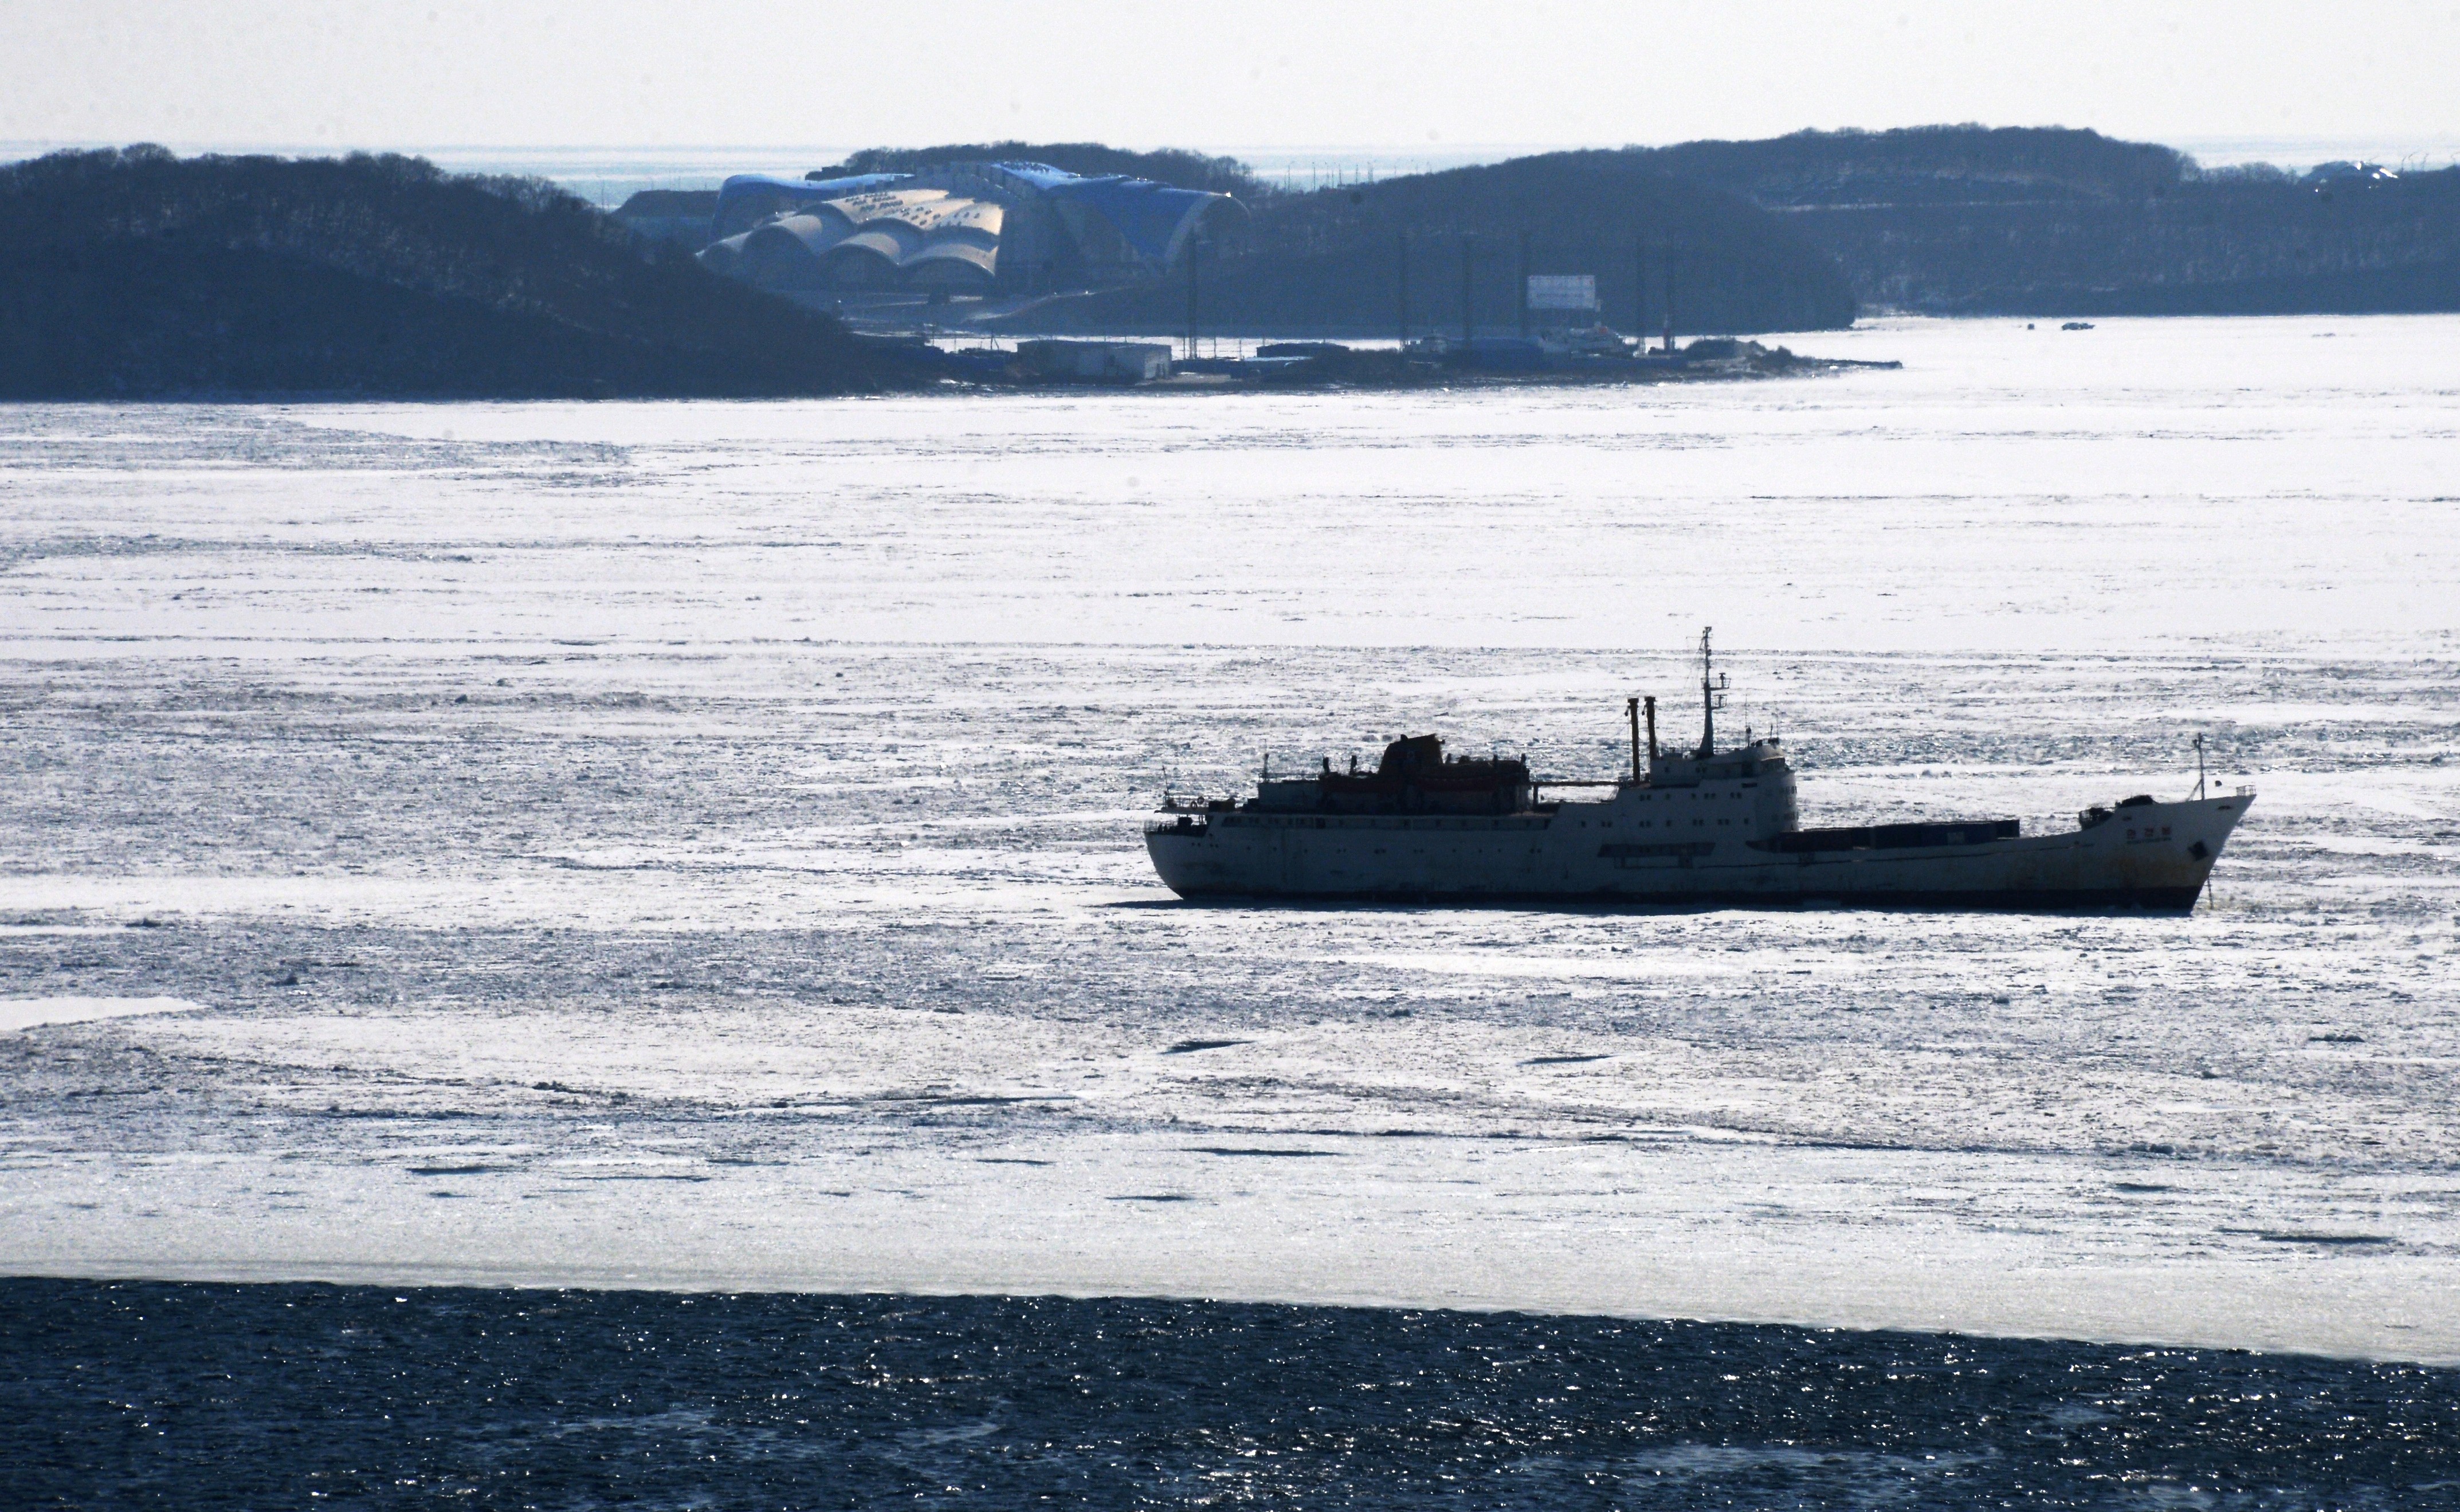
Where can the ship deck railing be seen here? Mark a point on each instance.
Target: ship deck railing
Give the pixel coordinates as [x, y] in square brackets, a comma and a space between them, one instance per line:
[1194, 804]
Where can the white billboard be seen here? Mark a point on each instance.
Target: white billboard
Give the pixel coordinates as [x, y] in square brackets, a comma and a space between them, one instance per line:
[1562, 291]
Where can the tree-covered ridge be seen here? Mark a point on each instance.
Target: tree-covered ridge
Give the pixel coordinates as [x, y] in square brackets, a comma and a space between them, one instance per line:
[137, 272]
[1925, 162]
[2048, 221]
[1170, 165]
[1333, 261]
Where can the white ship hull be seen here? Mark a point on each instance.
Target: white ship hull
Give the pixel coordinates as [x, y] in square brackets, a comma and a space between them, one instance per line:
[1619, 853]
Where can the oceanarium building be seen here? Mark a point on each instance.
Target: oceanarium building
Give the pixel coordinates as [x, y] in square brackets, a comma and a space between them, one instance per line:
[1007, 227]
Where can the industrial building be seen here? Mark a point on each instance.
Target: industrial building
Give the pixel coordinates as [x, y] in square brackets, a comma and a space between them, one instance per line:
[1094, 362]
[1004, 228]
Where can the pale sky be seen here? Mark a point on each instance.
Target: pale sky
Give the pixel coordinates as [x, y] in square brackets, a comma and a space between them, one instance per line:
[304, 76]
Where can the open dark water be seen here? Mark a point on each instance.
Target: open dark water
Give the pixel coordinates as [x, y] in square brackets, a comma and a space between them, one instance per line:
[267, 1396]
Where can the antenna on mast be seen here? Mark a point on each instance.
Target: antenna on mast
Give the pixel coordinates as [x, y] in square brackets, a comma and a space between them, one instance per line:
[1712, 696]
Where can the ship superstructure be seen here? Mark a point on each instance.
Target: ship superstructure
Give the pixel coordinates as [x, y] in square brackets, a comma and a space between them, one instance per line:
[1704, 825]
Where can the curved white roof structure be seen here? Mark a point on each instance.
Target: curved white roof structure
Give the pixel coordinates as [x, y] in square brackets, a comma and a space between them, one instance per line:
[943, 229]
[923, 238]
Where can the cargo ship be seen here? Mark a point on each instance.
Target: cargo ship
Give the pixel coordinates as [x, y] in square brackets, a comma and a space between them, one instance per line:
[1683, 829]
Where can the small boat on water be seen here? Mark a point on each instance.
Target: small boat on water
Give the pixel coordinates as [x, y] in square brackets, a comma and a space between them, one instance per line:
[1684, 829]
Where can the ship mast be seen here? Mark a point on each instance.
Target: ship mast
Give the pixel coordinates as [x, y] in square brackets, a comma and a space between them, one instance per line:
[1712, 688]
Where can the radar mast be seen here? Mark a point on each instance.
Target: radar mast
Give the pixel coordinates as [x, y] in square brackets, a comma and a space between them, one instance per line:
[1712, 693]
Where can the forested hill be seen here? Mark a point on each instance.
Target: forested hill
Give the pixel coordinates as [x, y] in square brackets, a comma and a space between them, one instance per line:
[1334, 261]
[2046, 221]
[137, 272]
[1917, 164]
[1170, 165]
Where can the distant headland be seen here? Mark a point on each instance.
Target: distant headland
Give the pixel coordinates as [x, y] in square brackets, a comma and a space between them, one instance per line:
[137, 273]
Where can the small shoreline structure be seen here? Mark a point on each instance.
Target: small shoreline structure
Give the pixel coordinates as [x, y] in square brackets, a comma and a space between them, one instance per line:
[1708, 827]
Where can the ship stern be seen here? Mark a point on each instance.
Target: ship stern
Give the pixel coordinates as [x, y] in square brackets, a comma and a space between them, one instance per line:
[1183, 855]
